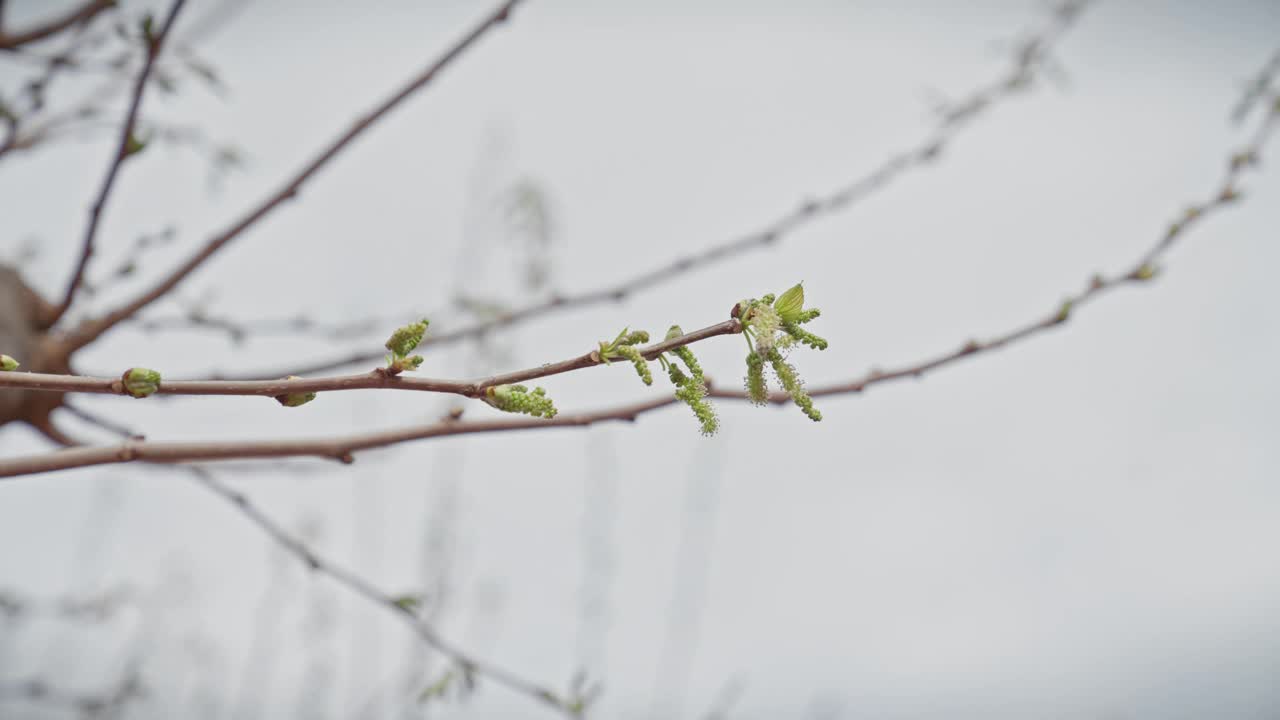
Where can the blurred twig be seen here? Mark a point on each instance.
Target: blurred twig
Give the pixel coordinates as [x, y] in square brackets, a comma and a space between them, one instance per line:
[81, 14]
[1029, 57]
[1240, 162]
[90, 330]
[128, 145]
[407, 612]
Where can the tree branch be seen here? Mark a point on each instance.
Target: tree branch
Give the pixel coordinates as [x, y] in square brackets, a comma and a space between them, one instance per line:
[1028, 60]
[126, 147]
[377, 379]
[358, 585]
[94, 328]
[82, 14]
[342, 448]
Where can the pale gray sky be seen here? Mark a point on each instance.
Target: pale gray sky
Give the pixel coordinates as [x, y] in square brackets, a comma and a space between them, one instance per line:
[1081, 526]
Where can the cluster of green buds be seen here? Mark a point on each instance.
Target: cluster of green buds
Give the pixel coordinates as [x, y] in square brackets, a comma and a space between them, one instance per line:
[520, 399]
[8, 364]
[140, 382]
[771, 326]
[623, 347]
[691, 387]
[402, 343]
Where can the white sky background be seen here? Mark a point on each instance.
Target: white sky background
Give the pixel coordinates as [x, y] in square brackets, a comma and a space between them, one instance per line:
[1081, 526]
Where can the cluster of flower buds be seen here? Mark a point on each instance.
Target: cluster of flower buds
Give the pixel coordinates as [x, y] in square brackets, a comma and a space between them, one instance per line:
[772, 327]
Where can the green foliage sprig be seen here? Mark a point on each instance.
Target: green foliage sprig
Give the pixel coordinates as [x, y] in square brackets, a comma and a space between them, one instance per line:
[624, 347]
[771, 326]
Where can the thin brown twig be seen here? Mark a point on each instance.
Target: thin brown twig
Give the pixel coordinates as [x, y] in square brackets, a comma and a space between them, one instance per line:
[342, 448]
[377, 379]
[358, 585]
[1029, 57]
[91, 329]
[124, 149]
[76, 16]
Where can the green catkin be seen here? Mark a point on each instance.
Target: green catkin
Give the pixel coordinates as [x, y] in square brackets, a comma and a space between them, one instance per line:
[693, 392]
[637, 360]
[757, 388]
[686, 355]
[807, 315]
[793, 385]
[804, 336]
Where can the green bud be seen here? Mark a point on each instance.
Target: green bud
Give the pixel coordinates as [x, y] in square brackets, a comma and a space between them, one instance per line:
[637, 337]
[437, 688]
[8, 364]
[1064, 312]
[408, 603]
[295, 399]
[518, 399]
[674, 332]
[404, 340]
[1146, 272]
[134, 145]
[140, 382]
[402, 364]
[148, 29]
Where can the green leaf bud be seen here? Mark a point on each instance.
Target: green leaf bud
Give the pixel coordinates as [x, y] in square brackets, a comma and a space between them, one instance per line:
[1064, 312]
[8, 364]
[405, 339]
[295, 399]
[140, 382]
[408, 603]
[134, 145]
[518, 399]
[402, 364]
[636, 337]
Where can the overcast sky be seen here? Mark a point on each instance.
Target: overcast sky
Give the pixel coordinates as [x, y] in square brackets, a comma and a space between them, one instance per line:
[1083, 525]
